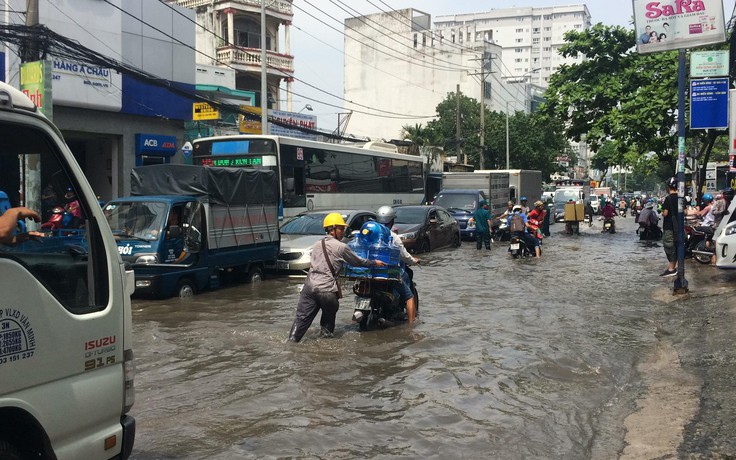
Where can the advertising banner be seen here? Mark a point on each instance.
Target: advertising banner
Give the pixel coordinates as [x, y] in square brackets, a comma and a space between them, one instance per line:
[35, 82]
[677, 24]
[732, 127]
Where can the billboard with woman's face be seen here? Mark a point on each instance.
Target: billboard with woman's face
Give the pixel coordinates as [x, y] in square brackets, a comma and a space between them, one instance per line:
[677, 24]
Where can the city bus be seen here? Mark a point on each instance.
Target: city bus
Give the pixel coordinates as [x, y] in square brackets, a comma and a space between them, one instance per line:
[319, 175]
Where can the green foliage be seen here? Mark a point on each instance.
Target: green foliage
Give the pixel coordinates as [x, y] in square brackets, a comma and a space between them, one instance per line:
[622, 102]
[535, 141]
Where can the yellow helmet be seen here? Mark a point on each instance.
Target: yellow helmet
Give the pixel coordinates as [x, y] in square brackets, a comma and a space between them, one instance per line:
[334, 219]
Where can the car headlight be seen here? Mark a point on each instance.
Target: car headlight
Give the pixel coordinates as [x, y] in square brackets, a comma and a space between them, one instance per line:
[408, 236]
[730, 230]
[146, 259]
[471, 224]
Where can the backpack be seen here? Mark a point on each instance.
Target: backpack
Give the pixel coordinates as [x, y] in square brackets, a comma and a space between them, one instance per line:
[517, 223]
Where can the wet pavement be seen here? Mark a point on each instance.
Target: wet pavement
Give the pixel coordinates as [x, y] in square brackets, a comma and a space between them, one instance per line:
[583, 353]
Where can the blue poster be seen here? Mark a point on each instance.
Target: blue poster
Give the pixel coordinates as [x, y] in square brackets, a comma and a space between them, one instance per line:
[709, 103]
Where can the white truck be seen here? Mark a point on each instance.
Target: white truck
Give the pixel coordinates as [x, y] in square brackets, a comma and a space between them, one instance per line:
[66, 364]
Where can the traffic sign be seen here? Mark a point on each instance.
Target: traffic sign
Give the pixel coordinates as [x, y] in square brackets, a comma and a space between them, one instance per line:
[709, 103]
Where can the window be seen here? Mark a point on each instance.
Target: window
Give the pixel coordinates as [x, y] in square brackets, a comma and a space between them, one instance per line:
[535, 41]
[548, 39]
[70, 262]
[519, 40]
[519, 50]
[517, 60]
[247, 33]
[535, 30]
[518, 31]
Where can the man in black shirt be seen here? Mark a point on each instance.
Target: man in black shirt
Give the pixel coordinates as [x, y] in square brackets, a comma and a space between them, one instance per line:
[669, 216]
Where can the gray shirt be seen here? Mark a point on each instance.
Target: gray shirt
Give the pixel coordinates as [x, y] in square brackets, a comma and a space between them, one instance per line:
[320, 277]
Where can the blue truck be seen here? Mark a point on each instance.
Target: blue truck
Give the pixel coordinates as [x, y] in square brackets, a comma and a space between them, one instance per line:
[185, 227]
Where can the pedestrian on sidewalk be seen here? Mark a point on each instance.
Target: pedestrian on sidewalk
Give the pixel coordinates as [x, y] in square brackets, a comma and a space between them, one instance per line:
[669, 238]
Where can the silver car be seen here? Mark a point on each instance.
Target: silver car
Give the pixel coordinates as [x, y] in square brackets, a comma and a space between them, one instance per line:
[299, 234]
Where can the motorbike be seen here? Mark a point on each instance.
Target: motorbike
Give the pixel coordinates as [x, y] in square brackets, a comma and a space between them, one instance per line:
[622, 212]
[501, 233]
[518, 247]
[609, 225]
[699, 243]
[649, 232]
[378, 304]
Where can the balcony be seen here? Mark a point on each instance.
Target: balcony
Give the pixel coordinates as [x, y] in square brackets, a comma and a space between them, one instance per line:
[279, 6]
[250, 59]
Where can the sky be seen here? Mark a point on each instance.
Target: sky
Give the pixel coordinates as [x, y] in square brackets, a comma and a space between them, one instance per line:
[318, 48]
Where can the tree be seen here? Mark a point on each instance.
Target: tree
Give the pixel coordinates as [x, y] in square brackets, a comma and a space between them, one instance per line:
[535, 140]
[618, 94]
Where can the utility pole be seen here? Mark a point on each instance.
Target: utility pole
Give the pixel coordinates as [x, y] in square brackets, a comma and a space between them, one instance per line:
[482, 112]
[264, 72]
[458, 149]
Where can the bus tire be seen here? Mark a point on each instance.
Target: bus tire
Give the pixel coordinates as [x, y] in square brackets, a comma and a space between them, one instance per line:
[185, 288]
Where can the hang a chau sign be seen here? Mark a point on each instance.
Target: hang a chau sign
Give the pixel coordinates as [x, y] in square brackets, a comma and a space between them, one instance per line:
[677, 24]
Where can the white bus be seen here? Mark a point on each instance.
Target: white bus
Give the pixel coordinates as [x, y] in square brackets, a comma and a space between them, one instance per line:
[319, 175]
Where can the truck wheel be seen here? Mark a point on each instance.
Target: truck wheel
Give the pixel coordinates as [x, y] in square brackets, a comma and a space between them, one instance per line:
[255, 275]
[9, 451]
[185, 288]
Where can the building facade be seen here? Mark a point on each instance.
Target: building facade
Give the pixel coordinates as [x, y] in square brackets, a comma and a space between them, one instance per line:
[112, 120]
[400, 60]
[530, 38]
[228, 36]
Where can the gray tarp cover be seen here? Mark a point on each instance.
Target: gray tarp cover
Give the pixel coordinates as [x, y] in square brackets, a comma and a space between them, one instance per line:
[223, 186]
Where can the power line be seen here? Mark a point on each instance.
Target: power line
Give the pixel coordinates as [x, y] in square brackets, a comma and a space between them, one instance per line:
[388, 114]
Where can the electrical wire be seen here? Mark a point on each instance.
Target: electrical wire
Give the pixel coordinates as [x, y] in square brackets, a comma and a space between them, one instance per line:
[382, 113]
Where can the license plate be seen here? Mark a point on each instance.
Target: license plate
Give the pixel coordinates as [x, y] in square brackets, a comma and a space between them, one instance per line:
[514, 246]
[363, 303]
[281, 265]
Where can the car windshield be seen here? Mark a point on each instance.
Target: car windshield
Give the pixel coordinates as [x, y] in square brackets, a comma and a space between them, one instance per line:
[305, 224]
[456, 200]
[410, 215]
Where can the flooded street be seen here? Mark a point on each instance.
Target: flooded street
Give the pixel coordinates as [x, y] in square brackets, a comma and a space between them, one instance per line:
[582, 354]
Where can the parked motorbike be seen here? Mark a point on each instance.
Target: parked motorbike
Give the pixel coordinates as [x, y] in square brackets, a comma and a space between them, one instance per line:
[378, 304]
[609, 225]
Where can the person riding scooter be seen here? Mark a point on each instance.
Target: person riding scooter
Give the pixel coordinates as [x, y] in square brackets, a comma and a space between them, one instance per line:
[649, 223]
[386, 216]
[522, 231]
[609, 212]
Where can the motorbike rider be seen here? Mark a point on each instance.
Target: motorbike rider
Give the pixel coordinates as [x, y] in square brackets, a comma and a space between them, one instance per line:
[622, 207]
[322, 289]
[536, 218]
[529, 239]
[524, 206]
[386, 216]
[648, 220]
[609, 212]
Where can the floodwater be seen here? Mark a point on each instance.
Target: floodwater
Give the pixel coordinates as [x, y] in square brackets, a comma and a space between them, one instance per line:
[584, 353]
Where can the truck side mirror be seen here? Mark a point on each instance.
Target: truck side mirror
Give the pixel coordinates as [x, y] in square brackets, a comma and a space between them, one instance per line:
[193, 240]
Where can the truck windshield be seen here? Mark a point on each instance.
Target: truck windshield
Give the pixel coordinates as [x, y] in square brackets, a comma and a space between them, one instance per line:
[456, 201]
[563, 196]
[143, 220]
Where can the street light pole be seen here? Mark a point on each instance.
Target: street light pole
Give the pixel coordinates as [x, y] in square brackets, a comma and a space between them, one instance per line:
[507, 135]
[264, 73]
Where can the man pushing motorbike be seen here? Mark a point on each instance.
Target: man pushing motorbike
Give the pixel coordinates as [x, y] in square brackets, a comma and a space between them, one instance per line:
[386, 216]
[322, 288]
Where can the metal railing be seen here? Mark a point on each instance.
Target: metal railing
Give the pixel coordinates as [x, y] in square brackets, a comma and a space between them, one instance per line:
[280, 6]
[252, 57]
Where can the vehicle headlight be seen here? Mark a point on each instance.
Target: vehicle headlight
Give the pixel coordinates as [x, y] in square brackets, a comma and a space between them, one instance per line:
[146, 259]
[730, 230]
[408, 236]
[471, 224]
